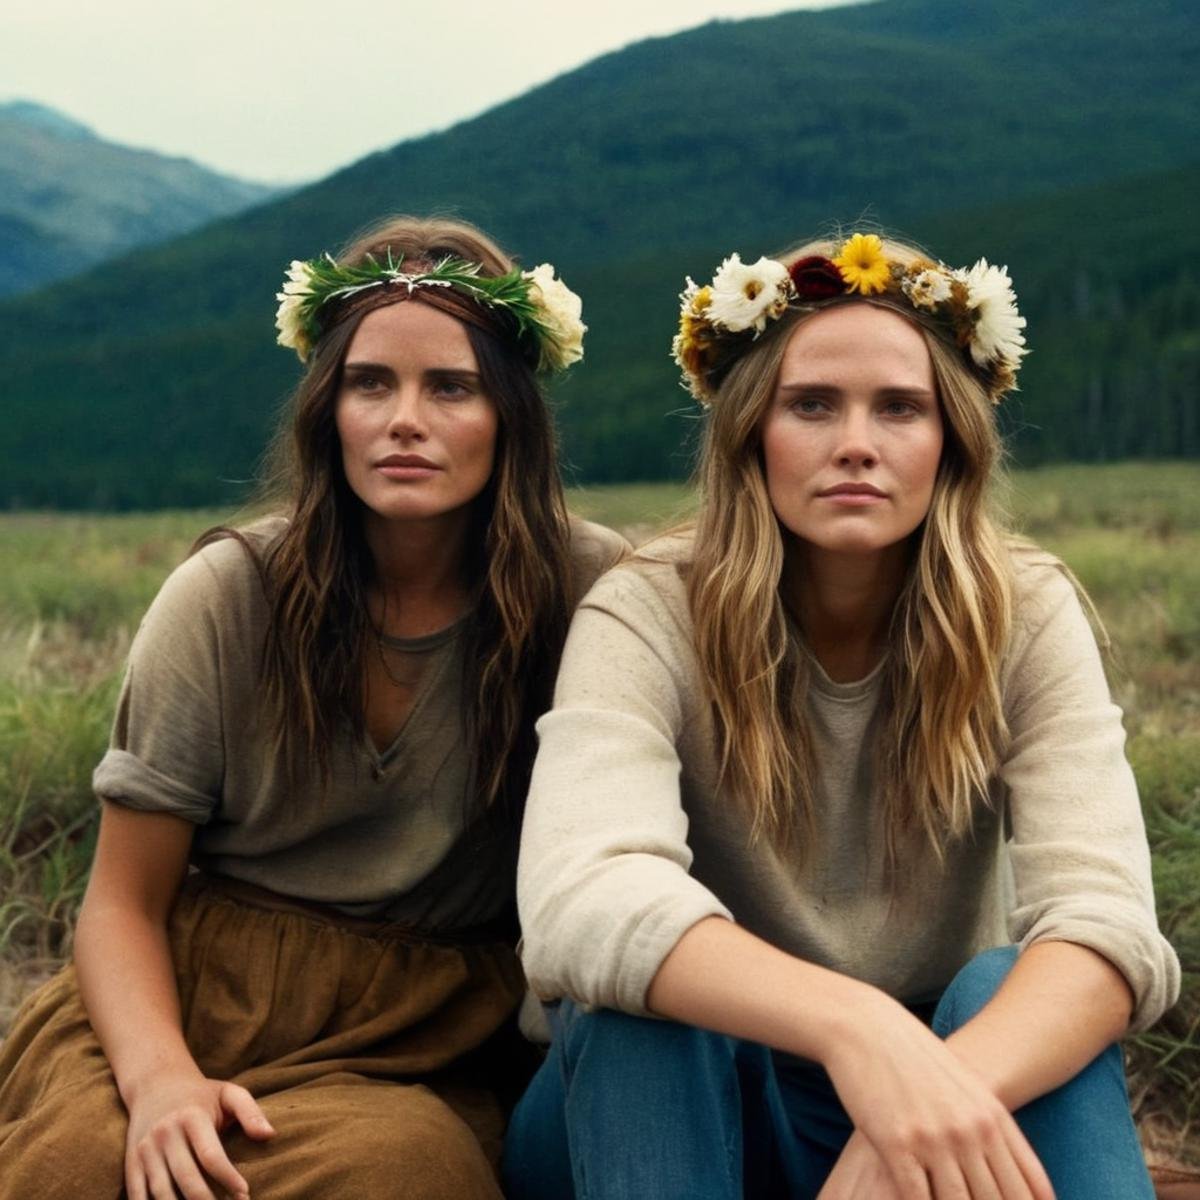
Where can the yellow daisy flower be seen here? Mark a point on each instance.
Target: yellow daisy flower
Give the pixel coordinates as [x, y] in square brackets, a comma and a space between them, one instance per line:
[863, 264]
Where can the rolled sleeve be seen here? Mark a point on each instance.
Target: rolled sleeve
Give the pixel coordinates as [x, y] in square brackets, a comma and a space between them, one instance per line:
[167, 751]
[604, 887]
[124, 779]
[1080, 860]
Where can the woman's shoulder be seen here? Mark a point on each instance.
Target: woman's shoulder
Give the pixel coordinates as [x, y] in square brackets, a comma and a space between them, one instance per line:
[1053, 619]
[650, 581]
[1042, 583]
[222, 578]
[593, 550]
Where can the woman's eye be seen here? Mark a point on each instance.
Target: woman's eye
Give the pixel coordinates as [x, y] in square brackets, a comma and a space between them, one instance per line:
[366, 383]
[901, 408]
[452, 389]
[809, 406]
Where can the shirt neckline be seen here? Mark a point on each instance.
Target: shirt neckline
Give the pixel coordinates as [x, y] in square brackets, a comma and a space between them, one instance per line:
[426, 641]
[852, 689]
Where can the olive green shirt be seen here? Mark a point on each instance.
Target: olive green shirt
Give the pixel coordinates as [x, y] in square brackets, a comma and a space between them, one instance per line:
[389, 836]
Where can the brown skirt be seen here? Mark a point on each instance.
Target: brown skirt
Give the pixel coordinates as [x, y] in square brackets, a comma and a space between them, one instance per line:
[374, 1054]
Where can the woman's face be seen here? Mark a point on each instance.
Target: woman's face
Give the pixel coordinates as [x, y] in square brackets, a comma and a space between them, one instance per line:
[418, 433]
[853, 436]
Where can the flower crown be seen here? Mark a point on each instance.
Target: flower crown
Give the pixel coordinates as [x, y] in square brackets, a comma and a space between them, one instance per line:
[542, 306]
[721, 320]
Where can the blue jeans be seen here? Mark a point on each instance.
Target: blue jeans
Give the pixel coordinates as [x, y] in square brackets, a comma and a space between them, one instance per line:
[629, 1108]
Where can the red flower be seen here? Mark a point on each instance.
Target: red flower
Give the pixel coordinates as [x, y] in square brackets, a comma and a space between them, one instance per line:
[816, 278]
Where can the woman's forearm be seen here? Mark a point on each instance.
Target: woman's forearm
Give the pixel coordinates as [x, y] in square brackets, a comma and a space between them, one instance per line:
[122, 956]
[924, 1111]
[1059, 1007]
[721, 977]
[127, 982]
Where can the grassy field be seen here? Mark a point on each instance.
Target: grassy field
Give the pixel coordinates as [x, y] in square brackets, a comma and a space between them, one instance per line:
[75, 586]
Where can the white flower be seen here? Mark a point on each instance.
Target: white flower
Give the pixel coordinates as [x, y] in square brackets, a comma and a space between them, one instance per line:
[298, 281]
[289, 317]
[996, 336]
[746, 296]
[691, 290]
[561, 312]
[928, 288]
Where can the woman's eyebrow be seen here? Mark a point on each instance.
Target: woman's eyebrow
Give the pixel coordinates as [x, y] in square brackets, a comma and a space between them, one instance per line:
[455, 372]
[832, 389]
[800, 385]
[906, 393]
[361, 366]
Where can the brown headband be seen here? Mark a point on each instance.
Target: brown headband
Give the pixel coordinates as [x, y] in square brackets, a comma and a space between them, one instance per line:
[494, 321]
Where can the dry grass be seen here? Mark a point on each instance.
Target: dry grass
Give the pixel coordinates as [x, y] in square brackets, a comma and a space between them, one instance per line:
[76, 586]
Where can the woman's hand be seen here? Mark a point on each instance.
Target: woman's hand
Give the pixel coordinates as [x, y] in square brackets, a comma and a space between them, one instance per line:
[938, 1130]
[127, 980]
[173, 1140]
[858, 1174]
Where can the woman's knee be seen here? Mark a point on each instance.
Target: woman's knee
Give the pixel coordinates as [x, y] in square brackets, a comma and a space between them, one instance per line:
[974, 985]
[606, 1036]
[349, 1140]
[72, 1146]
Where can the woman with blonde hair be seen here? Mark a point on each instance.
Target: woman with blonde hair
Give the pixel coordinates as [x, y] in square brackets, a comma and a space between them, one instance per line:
[328, 716]
[813, 764]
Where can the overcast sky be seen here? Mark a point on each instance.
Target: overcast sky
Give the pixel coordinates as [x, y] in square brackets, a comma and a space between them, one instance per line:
[284, 92]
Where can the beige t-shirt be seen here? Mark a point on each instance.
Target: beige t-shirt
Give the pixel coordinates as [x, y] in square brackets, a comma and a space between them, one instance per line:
[628, 840]
[389, 837]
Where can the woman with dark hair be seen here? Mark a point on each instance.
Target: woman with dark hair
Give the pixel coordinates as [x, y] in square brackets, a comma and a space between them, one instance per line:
[328, 715]
[813, 765]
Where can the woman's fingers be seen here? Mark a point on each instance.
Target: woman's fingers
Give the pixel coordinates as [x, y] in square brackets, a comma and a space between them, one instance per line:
[908, 1176]
[135, 1178]
[858, 1174]
[181, 1162]
[947, 1181]
[983, 1168]
[998, 1164]
[244, 1109]
[211, 1155]
[158, 1177]
[174, 1144]
[1026, 1162]
[940, 1132]
[178, 1157]
[989, 1181]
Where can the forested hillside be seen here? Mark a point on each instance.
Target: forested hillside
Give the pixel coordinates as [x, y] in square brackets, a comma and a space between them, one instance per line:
[1047, 137]
[69, 199]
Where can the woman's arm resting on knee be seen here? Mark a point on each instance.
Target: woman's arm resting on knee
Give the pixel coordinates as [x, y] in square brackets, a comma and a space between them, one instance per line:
[121, 954]
[127, 981]
[931, 1118]
[1059, 1007]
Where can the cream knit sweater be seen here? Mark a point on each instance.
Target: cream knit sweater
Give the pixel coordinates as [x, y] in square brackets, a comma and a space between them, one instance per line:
[628, 841]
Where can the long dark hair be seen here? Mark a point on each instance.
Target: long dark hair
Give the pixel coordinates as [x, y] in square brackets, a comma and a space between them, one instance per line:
[317, 570]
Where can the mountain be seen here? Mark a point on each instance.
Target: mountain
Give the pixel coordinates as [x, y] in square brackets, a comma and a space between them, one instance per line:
[1048, 137]
[69, 199]
[1107, 275]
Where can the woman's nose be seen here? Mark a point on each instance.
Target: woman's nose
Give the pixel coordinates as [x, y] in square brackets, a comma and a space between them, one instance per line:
[407, 417]
[856, 442]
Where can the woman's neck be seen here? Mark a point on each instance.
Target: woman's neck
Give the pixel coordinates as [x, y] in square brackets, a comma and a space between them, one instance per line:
[420, 580]
[844, 604]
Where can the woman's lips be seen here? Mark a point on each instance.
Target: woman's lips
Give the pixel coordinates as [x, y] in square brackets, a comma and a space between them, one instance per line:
[406, 466]
[853, 495]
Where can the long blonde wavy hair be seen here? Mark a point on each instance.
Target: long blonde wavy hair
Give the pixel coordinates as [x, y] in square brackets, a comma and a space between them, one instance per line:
[944, 725]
